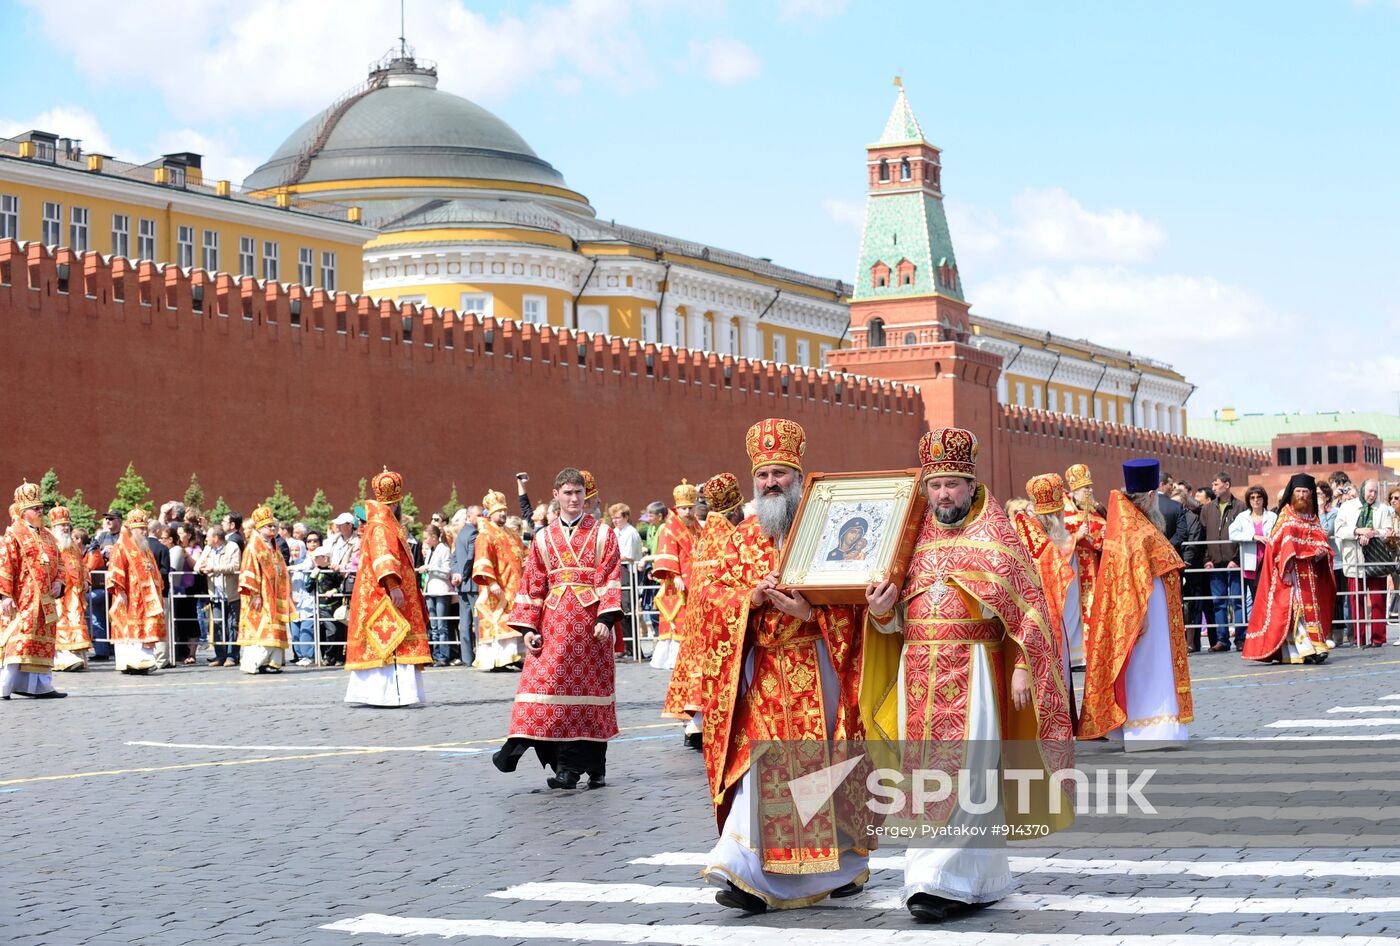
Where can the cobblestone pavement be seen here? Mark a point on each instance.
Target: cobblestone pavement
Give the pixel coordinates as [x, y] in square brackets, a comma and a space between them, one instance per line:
[206, 806]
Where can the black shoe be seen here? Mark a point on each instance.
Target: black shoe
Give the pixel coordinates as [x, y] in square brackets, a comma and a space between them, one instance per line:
[846, 890]
[694, 740]
[51, 695]
[596, 781]
[737, 899]
[503, 762]
[566, 780]
[930, 908]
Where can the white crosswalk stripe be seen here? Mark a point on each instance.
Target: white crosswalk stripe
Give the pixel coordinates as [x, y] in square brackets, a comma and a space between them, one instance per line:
[1334, 723]
[1388, 708]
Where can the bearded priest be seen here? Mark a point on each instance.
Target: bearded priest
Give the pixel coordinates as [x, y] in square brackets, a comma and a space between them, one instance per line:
[778, 669]
[1292, 617]
[977, 687]
[387, 640]
[31, 584]
[74, 641]
[1137, 686]
[265, 599]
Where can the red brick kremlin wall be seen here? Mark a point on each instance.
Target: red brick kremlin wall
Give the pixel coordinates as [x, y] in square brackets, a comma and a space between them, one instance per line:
[123, 363]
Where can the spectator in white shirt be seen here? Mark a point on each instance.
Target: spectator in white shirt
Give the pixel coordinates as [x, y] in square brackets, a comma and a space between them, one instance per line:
[437, 589]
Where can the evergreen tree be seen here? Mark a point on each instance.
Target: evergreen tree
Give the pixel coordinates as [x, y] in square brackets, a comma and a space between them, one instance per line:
[194, 494]
[132, 492]
[449, 508]
[407, 507]
[216, 515]
[363, 495]
[83, 515]
[281, 504]
[317, 514]
[48, 490]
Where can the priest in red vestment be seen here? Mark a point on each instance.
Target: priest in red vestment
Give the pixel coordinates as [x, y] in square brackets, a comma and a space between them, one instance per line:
[31, 584]
[1042, 531]
[1137, 685]
[265, 599]
[963, 672]
[670, 567]
[1292, 617]
[570, 598]
[777, 669]
[1085, 522]
[726, 504]
[74, 640]
[387, 639]
[137, 593]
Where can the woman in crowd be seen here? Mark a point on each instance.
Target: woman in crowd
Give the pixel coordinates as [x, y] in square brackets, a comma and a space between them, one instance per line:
[301, 631]
[437, 591]
[1251, 529]
[184, 606]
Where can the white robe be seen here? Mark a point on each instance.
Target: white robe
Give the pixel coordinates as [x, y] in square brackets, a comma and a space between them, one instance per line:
[1153, 714]
[499, 653]
[1074, 622]
[134, 655]
[734, 858]
[15, 680]
[253, 657]
[394, 685]
[663, 657]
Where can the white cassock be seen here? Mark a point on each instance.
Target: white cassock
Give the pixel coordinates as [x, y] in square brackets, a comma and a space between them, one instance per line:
[1153, 713]
[979, 871]
[499, 653]
[15, 680]
[253, 657]
[1074, 621]
[135, 656]
[70, 660]
[394, 685]
[734, 857]
[663, 657]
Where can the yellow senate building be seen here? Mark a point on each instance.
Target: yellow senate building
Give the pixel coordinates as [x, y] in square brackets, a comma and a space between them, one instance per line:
[470, 218]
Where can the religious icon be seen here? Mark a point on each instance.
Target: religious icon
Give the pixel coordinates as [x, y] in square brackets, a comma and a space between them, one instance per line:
[851, 529]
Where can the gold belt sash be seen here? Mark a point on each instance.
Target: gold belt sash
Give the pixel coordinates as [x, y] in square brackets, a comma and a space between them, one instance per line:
[956, 631]
[577, 580]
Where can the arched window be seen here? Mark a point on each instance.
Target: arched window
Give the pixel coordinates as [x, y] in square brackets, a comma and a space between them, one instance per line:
[875, 333]
[904, 173]
[884, 169]
[910, 338]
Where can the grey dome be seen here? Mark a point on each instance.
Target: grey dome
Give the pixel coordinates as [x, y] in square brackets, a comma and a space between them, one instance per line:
[408, 128]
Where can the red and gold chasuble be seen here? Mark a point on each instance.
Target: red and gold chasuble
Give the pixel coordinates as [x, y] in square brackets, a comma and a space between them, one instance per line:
[72, 610]
[1054, 568]
[683, 694]
[571, 578]
[500, 557]
[1087, 553]
[379, 633]
[1135, 554]
[784, 702]
[29, 565]
[264, 573]
[1296, 584]
[132, 571]
[972, 585]
[675, 554]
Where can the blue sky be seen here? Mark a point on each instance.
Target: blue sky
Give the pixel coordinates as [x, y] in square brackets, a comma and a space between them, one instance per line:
[1212, 184]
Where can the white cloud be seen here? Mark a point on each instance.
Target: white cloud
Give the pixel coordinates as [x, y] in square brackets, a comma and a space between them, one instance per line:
[66, 121]
[726, 61]
[847, 213]
[1052, 225]
[248, 57]
[795, 10]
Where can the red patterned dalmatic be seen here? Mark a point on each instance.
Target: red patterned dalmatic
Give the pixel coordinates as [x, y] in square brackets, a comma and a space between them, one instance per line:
[1297, 590]
[132, 571]
[379, 634]
[1135, 556]
[73, 632]
[784, 701]
[499, 561]
[675, 556]
[1054, 568]
[566, 693]
[264, 574]
[683, 694]
[29, 565]
[972, 585]
[1087, 552]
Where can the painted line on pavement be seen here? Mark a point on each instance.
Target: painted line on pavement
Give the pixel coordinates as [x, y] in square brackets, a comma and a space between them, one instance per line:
[178, 767]
[1101, 866]
[1333, 723]
[889, 898]
[447, 747]
[1389, 708]
[756, 934]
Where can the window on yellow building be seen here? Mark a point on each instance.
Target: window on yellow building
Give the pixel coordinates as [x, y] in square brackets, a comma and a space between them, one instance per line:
[650, 326]
[1084, 405]
[146, 239]
[52, 230]
[780, 349]
[184, 239]
[121, 235]
[534, 309]
[1035, 397]
[306, 266]
[707, 333]
[209, 251]
[821, 354]
[9, 217]
[271, 253]
[1054, 400]
[78, 229]
[1021, 393]
[734, 339]
[328, 271]
[804, 352]
[476, 303]
[1113, 412]
[247, 256]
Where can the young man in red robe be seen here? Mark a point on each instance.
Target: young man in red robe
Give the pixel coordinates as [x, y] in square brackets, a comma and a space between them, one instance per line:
[570, 598]
[1292, 617]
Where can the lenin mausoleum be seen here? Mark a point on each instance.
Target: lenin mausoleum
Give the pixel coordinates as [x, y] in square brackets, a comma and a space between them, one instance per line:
[405, 282]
